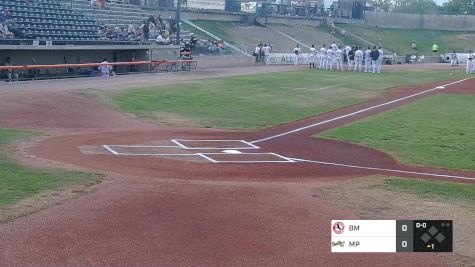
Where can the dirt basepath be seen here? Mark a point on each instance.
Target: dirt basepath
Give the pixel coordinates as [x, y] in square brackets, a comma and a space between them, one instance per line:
[153, 211]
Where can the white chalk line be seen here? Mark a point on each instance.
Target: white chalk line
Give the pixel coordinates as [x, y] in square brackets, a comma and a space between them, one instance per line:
[382, 169]
[180, 142]
[353, 113]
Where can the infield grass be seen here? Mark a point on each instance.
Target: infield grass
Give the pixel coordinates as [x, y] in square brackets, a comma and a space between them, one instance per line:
[18, 182]
[433, 189]
[259, 101]
[437, 131]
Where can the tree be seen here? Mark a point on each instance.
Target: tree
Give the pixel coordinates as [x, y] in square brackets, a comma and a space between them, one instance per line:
[415, 6]
[381, 5]
[460, 7]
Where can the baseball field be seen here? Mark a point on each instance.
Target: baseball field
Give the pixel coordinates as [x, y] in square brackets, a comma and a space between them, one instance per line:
[233, 166]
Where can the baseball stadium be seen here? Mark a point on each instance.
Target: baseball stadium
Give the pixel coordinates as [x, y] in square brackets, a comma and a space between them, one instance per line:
[237, 133]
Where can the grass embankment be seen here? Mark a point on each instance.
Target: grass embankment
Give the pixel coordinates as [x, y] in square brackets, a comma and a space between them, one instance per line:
[400, 40]
[433, 189]
[18, 182]
[259, 101]
[218, 28]
[436, 131]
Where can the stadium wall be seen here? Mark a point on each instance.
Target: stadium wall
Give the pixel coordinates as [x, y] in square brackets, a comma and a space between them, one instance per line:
[420, 21]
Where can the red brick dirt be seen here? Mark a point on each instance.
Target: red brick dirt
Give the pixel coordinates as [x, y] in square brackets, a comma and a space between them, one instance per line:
[152, 211]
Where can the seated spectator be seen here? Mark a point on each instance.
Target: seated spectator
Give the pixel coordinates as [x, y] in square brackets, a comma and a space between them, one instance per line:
[4, 14]
[5, 32]
[131, 31]
[161, 40]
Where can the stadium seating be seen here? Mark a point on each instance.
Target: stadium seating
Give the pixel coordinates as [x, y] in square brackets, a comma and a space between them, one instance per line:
[48, 20]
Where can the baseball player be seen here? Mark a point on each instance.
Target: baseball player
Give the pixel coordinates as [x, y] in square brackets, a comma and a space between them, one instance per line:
[329, 59]
[367, 60]
[358, 59]
[323, 53]
[297, 55]
[453, 59]
[374, 58]
[380, 50]
[339, 59]
[312, 55]
[473, 63]
[351, 59]
[267, 49]
[469, 68]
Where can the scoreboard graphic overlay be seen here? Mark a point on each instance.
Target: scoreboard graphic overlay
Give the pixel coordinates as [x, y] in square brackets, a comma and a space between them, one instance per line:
[391, 235]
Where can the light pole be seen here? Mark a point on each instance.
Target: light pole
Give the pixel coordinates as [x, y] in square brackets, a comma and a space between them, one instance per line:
[178, 15]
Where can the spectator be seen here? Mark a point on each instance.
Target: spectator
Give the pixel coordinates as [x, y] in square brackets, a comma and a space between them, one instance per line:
[4, 31]
[171, 26]
[131, 31]
[193, 41]
[160, 20]
[152, 30]
[414, 46]
[152, 20]
[104, 70]
[146, 30]
[161, 40]
[4, 14]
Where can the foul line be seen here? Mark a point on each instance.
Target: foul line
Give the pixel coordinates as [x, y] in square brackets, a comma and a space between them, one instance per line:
[383, 169]
[354, 113]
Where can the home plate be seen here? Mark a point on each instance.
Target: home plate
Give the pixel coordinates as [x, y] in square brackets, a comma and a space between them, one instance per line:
[232, 151]
[440, 87]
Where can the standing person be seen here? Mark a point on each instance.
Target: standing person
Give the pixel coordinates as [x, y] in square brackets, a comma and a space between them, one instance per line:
[367, 60]
[453, 59]
[297, 55]
[472, 69]
[374, 58]
[323, 54]
[267, 49]
[104, 70]
[380, 59]
[414, 46]
[329, 59]
[333, 46]
[339, 59]
[312, 55]
[257, 52]
[358, 59]
[435, 49]
[351, 59]
[469, 68]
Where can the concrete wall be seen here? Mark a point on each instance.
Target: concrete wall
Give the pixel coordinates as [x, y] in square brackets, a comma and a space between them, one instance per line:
[418, 21]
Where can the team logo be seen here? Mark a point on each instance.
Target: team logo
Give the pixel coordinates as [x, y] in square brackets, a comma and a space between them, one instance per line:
[338, 228]
[340, 244]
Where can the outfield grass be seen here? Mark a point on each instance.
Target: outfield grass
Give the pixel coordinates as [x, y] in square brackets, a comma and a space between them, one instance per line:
[18, 182]
[433, 189]
[400, 40]
[436, 131]
[259, 101]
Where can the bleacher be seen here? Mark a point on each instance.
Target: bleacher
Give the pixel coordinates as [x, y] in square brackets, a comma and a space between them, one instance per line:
[48, 20]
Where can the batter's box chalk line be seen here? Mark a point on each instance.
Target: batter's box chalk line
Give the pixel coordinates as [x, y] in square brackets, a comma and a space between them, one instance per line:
[228, 158]
[216, 144]
[230, 151]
